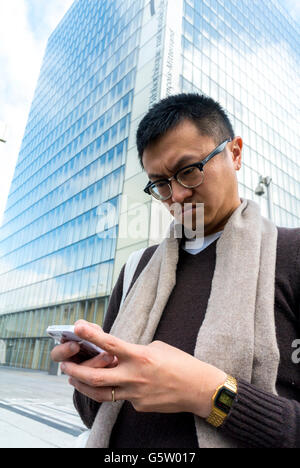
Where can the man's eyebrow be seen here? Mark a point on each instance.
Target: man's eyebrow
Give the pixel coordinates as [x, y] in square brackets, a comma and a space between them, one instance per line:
[184, 161]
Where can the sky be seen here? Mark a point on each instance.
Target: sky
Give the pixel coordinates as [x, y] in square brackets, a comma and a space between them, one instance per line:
[24, 29]
[293, 7]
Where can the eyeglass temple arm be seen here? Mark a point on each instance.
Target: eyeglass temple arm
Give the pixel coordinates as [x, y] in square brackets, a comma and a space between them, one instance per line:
[216, 151]
[146, 189]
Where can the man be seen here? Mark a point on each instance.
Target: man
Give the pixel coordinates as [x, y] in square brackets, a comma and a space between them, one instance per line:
[202, 352]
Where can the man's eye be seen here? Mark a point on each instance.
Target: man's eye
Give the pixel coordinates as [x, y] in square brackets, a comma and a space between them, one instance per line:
[160, 184]
[187, 171]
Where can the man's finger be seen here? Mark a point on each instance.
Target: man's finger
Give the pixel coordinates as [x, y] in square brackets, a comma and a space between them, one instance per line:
[102, 360]
[97, 394]
[113, 345]
[93, 377]
[64, 351]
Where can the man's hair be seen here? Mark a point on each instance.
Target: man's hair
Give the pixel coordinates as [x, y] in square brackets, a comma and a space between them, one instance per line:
[207, 115]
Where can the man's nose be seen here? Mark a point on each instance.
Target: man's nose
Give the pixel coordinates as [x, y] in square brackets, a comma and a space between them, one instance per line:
[180, 193]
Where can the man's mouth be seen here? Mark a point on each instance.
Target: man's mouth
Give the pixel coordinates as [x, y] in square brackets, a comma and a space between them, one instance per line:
[185, 210]
[187, 207]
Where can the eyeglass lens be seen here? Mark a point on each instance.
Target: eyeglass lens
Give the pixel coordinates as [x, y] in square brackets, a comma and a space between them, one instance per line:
[189, 178]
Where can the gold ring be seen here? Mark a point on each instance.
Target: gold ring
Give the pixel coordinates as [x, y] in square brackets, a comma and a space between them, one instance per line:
[113, 395]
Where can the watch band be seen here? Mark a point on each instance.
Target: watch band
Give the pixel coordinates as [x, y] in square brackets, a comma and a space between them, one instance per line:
[217, 416]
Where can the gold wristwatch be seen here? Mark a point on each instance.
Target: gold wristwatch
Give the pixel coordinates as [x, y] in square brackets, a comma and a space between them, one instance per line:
[222, 402]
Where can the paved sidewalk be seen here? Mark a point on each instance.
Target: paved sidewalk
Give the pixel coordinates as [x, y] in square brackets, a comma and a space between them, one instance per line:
[36, 410]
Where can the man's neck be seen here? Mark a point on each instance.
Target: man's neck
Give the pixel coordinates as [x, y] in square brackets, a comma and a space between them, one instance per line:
[218, 227]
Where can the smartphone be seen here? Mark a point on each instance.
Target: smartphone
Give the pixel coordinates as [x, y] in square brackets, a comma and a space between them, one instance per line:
[65, 333]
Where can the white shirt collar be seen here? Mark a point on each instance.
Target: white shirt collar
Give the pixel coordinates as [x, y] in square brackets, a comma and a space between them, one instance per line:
[196, 246]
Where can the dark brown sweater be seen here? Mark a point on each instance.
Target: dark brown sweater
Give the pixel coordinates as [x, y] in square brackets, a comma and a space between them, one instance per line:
[257, 419]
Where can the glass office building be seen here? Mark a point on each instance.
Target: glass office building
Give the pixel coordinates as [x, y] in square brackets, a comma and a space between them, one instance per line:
[105, 64]
[56, 254]
[246, 55]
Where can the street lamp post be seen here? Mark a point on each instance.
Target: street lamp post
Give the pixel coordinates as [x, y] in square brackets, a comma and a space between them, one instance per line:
[264, 184]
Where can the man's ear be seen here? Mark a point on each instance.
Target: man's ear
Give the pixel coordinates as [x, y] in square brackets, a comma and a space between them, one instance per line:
[236, 152]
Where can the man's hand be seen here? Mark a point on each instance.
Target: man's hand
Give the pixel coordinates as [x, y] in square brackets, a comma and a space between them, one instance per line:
[154, 378]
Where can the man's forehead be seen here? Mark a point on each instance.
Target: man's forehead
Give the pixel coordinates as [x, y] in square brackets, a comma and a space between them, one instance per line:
[179, 147]
[184, 135]
[176, 164]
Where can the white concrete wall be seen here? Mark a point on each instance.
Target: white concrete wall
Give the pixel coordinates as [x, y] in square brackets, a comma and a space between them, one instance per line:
[143, 221]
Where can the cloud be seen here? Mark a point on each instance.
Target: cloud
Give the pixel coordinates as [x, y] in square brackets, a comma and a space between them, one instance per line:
[292, 7]
[25, 28]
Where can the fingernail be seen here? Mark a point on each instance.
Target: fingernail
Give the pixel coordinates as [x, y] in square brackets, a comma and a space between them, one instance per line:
[73, 347]
[63, 367]
[107, 358]
[78, 322]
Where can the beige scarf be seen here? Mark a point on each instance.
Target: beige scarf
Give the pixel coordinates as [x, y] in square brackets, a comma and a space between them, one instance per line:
[238, 333]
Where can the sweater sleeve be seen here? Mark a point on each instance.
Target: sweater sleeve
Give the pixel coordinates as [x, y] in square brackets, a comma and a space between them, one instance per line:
[86, 407]
[260, 419]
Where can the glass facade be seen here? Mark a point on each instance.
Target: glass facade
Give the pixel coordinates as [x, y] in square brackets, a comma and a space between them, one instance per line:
[104, 65]
[53, 247]
[246, 55]
[23, 342]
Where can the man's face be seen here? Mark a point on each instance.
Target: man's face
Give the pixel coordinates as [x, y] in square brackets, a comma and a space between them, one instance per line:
[185, 145]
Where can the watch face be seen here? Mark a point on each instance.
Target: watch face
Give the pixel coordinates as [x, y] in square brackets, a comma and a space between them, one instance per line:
[224, 400]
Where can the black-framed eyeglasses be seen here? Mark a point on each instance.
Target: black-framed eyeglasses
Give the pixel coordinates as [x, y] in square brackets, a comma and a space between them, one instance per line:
[190, 176]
